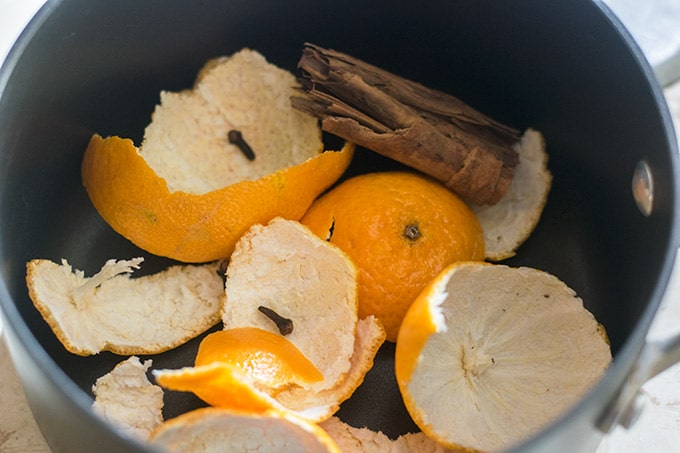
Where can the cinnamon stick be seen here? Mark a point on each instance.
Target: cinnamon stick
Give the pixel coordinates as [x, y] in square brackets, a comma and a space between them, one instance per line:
[426, 129]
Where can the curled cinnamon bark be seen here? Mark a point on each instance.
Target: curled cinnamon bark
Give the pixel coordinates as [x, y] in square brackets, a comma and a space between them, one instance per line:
[426, 129]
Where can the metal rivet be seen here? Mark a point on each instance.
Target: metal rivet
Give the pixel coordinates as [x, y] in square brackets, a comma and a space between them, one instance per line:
[643, 188]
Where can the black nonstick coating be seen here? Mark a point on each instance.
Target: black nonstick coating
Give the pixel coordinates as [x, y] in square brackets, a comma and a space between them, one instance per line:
[98, 66]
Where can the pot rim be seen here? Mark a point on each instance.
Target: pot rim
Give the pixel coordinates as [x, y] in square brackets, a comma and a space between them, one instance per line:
[599, 396]
[12, 322]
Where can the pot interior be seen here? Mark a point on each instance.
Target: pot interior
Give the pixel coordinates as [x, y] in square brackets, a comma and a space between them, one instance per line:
[98, 66]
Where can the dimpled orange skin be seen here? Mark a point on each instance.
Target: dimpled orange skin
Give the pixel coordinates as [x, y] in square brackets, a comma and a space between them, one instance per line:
[193, 228]
[401, 229]
[259, 353]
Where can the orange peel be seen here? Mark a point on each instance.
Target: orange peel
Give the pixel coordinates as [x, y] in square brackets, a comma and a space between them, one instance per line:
[110, 311]
[218, 384]
[285, 267]
[137, 203]
[320, 405]
[125, 397]
[510, 222]
[489, 355]
[353, 439]
[266, 357]
[213, 429]
[188, 192]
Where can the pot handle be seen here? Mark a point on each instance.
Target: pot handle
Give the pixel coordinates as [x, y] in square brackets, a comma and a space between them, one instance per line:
[655, 357]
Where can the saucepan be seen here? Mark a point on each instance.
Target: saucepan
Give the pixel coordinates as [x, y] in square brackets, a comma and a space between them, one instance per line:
[567, 69]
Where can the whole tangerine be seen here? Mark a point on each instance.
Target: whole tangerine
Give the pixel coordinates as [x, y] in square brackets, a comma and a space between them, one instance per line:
[401, 229]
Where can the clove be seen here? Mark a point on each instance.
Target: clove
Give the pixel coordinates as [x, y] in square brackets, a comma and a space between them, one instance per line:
[236, 138]
[284, 325]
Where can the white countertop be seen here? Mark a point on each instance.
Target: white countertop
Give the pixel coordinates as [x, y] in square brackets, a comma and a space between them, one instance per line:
[657, 429]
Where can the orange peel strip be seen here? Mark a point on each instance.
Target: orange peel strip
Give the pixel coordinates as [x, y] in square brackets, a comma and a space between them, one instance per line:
[137, 203]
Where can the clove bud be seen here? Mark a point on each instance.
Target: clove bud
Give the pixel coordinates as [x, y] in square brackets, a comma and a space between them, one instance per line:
[236, 138]
[284, 325]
